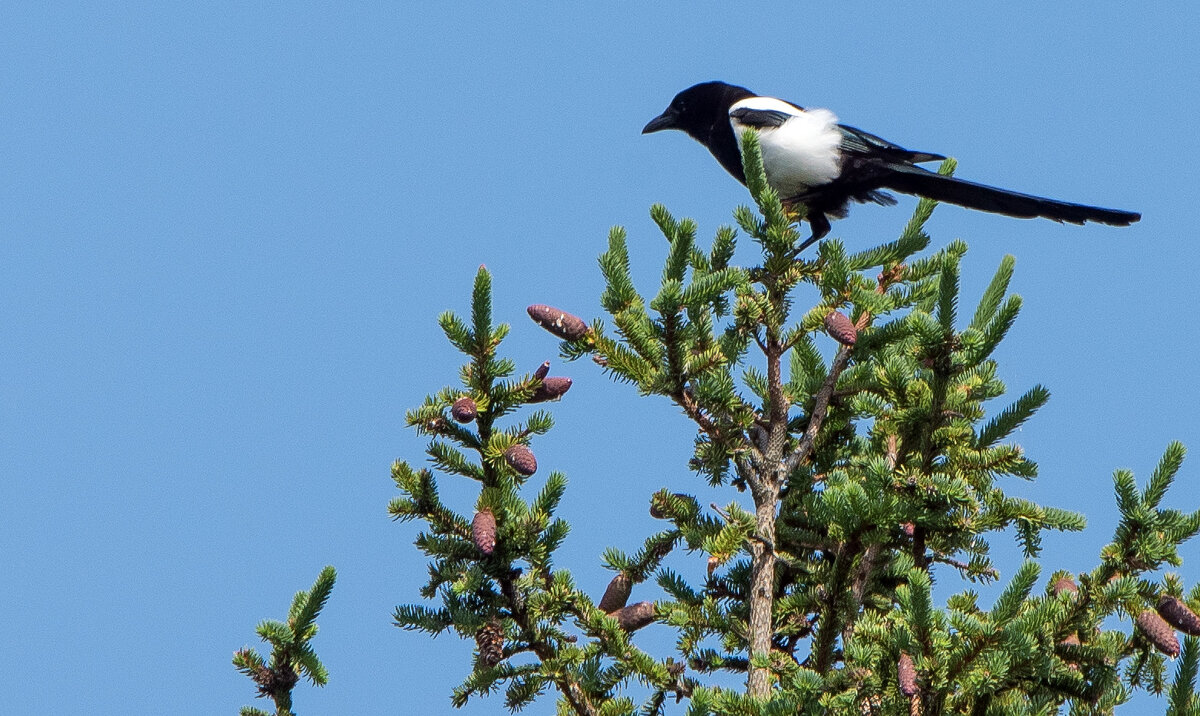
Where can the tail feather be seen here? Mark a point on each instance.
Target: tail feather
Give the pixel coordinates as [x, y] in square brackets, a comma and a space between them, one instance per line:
[909, 179]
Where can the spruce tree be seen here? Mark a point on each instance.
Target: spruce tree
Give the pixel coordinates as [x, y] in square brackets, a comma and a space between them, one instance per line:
[291, 654]
[867, 455]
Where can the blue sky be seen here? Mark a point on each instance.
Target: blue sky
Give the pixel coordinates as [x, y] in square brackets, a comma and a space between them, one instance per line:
[228, 230]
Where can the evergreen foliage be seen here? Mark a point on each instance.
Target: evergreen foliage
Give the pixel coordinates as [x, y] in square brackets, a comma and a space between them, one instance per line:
[853, 408]
[291, 654]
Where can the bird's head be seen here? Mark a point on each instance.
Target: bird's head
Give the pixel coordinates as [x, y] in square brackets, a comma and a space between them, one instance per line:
[699, 109]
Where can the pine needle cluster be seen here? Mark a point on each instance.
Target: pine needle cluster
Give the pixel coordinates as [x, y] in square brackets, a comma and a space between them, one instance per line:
[494, 572]
[871, 473]
[291, 654]
[850, 402]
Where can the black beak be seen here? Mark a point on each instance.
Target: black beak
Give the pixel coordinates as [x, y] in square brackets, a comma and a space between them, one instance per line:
[666, 120]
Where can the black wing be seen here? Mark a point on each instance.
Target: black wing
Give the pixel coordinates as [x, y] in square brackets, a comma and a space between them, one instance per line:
[760, 118]
[857, 142]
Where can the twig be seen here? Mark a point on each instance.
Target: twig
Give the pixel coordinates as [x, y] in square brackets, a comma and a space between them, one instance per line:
[820, 410]
[957, 564]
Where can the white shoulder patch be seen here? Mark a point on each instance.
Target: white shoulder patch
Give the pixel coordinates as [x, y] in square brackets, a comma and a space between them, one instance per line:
[766, 103]
[802, 153]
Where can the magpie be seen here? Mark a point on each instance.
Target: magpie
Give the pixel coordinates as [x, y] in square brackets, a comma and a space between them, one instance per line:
[811, 159]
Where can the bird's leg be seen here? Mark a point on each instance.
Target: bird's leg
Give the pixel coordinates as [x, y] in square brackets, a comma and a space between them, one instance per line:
[819, 222]
[797, 210]
[820, 227]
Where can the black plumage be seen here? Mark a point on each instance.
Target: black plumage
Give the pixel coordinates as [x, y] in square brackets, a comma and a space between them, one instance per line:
[863, 165]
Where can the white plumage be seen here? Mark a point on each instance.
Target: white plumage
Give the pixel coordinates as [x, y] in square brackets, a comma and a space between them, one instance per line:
[801, 153]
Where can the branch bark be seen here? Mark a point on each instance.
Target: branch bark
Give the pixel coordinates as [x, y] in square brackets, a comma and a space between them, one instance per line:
[771, 474]
[576, 697]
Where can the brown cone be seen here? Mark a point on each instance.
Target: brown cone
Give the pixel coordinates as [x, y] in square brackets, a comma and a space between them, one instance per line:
[483, 531]
[635, 616]
[558, 322]
[841, 328]
[490, 640]
[616, 594]
[521, 459]
[464, 410]
[550, 389]
[1159, 633]
[1065, 584]
[277, 681]
[1178, 615]
[1071, 640]
[660, 508]
[906, 675]
[542, 371]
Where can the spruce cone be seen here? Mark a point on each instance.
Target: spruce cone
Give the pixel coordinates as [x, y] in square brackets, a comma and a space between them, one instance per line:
[550, 389]
[1065, 584]
[1072, 640]
[558, 322]
[635, 616]
[662, 549]
[841, 328]
[906, 675]
[483, 532]
[1159, 633]
[542, 371]
[616, 594]
[273, 682]
[490, 640]
[464, 410]
[1178, 615]
[521, 459]
[660, 508]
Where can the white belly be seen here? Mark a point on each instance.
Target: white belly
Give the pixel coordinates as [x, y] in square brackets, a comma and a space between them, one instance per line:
[800, 154]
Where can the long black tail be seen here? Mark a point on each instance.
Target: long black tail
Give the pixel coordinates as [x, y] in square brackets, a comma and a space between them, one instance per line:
[909, 179]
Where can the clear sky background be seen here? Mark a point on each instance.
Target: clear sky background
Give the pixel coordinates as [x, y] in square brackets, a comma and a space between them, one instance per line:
[226, 232]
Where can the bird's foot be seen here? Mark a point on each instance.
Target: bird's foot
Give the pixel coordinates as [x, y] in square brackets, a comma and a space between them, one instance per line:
[807, 242]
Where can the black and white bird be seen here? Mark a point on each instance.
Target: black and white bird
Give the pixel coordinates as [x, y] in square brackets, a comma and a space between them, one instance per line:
[811, 159]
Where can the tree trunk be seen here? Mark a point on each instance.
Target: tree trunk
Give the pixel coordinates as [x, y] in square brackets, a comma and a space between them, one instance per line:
[762, 589]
